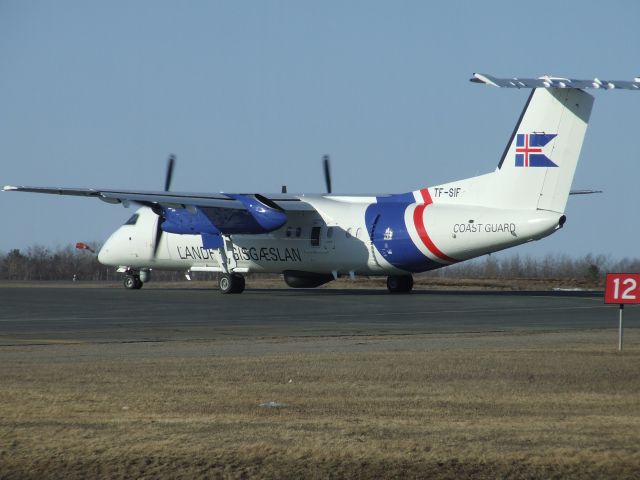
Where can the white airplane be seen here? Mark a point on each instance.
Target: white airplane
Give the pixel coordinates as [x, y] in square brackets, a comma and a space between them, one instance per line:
[313, 239]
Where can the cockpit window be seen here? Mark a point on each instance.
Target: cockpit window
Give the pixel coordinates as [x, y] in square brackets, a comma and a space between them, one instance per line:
[132, 220]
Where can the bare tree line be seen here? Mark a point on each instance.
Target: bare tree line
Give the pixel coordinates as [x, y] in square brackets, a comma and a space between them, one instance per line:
[589, 268]
[63, 263]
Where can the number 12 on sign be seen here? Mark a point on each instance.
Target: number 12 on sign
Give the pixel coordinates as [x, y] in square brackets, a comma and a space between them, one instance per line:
[622, 288]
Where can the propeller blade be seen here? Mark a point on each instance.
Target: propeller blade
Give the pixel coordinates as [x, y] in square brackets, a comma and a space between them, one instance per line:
[158, 237]
[169, 175]
[327, 172]
[157, 209]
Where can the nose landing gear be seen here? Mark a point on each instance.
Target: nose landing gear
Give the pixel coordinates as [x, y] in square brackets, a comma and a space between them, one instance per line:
[399, 283]
[134, 279]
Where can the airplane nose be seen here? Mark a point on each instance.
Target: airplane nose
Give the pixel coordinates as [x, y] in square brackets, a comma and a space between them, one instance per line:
[104, 255]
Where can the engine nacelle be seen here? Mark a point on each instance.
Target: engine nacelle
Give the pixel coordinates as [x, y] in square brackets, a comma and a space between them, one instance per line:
[298, 279]
[184, 222]
[259, 215]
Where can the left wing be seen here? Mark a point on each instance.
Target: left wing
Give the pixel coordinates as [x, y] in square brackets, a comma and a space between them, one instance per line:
[196, 213]
[163, 198]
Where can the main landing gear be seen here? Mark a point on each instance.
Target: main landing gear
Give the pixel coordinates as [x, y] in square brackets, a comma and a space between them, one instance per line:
[132, 282]
[231, 283]
[400, 283]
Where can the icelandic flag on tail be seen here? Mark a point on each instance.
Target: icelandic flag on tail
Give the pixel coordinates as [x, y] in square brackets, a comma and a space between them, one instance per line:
[529, 149]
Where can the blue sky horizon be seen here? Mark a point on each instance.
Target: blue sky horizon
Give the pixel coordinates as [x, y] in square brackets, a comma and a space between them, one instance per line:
[250, 95]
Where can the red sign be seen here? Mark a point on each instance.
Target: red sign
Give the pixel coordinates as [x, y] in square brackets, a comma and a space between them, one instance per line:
[622, 288]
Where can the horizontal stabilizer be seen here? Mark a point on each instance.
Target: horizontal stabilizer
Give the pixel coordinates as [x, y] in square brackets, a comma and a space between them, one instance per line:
[547, 81]
[584, 192]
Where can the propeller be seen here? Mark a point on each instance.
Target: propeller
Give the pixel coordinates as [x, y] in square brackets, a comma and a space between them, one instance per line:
[158, 210]
[327, 172]
[167, 179]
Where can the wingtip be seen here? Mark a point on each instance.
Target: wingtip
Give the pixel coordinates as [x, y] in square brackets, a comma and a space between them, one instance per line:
[9, 188]
[482, 78]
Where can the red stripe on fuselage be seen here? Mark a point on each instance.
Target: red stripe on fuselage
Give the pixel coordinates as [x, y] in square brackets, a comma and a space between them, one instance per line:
[418, 220]
[426, 196]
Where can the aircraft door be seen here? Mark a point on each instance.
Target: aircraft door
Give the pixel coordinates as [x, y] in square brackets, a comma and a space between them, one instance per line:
[316, 234]
[374, 261]
[329, 243]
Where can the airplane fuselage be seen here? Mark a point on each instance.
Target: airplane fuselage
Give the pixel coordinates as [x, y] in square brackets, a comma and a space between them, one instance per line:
[340, 236]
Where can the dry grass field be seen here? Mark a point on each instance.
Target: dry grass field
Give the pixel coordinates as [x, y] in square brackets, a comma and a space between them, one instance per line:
[545, 405]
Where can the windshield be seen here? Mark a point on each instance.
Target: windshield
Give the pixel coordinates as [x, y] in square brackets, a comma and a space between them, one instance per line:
[132, 220]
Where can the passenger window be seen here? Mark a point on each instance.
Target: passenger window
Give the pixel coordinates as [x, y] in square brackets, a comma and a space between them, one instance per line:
[288, 232]
[315, 236]
[298, 232]
[133, 220]
[330, 232]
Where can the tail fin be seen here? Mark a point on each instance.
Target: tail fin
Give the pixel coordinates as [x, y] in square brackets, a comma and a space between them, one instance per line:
[537, 167]
[538, 164]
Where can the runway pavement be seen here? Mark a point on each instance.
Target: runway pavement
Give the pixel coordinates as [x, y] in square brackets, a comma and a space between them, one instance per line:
[46, 315]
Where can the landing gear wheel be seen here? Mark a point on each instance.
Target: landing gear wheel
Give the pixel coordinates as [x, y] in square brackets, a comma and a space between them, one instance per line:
[233, 283]
[399, 283]
[240, 283]
[132, 282]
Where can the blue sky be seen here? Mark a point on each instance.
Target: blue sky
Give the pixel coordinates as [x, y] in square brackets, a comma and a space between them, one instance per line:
[250, 95]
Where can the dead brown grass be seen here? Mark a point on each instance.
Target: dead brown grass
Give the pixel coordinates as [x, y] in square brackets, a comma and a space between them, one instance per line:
[189, 410]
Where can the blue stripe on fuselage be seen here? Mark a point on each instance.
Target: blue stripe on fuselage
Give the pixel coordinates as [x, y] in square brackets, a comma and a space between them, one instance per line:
[385, 219]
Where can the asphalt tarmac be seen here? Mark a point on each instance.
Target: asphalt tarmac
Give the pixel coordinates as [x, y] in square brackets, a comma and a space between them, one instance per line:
[114, 315]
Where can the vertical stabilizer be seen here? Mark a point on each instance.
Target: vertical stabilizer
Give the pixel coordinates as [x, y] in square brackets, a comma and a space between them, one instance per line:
[537, 167]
